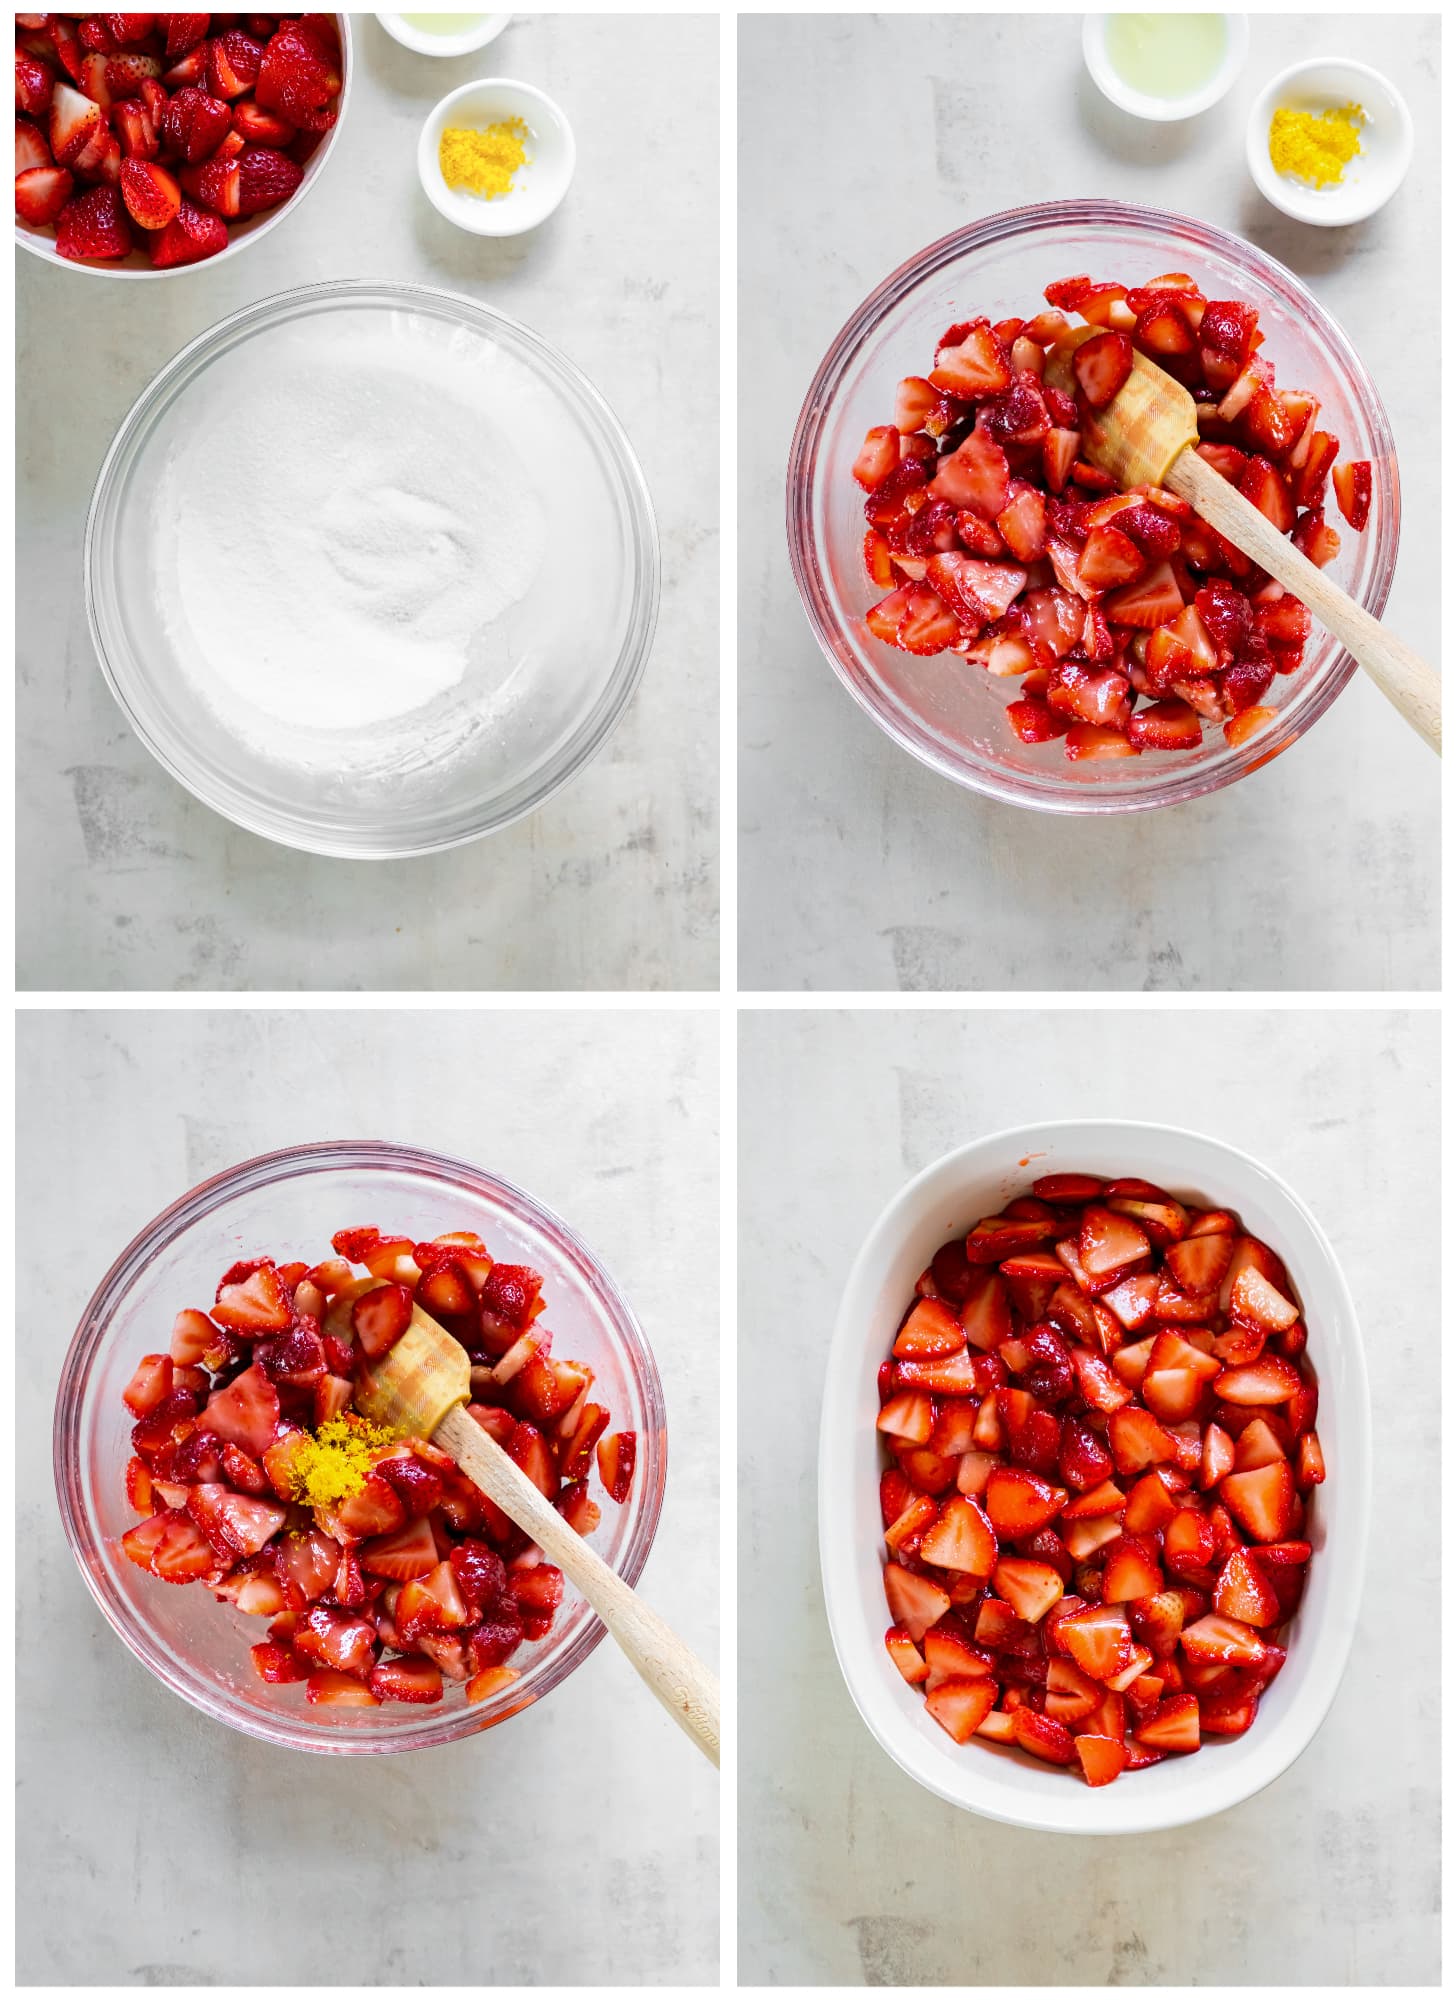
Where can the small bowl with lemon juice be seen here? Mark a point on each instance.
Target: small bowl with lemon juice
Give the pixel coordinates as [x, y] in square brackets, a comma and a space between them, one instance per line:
[443, 34]
[1164, 66]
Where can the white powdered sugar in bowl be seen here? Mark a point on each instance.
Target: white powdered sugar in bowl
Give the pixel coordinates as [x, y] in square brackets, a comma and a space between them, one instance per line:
[368, 565]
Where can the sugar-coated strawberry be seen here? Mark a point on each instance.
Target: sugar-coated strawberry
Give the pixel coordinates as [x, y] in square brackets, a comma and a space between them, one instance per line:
[1352, 491]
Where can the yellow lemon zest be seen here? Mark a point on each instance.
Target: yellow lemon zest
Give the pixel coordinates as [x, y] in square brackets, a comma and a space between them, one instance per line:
[332, 1464]
[484, 162]
[1315, 146]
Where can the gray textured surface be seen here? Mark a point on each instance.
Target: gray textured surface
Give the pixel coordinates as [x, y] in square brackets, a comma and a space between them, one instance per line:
[127, 882]
[1317, 873]
[576, 1844]
[849, 1873]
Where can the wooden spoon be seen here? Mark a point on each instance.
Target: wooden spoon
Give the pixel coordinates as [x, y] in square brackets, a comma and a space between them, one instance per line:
[419, 1389]
[1143, 438]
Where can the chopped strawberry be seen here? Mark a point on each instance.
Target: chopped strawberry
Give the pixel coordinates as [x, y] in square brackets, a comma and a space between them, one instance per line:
[1101, 365]
[412, 1680]
[1352, 491]
[152, 197]
[961, 1706]
[616, 1461]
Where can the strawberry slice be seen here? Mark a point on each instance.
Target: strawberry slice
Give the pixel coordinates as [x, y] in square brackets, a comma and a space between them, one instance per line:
[916, 1603]
[412, 1680]
[1267, 1381]
[251, 1299]
[1101, 365]
[1131, 1571]
[879, 455]
[961, 1539]
[978, 365]
[1174, 1726]
[1269, 492]
[1257, 1302]
[233, 61]
[233, 1523]
[1218, 1640]
[41, 193]
[1150, 601]
[932, 1330]
[339, 1690]
[961, 1706]
[1018, 1503]
[1262, 1500]
[616, 1460]
[975, 476]
[1030, 1588]
[1102, 1758]
[152, 197]
[407, 1553]
[380, 1317]
[195, 124]
[94, 225]
[75, 122]
[1352, 491]
[1244, 1593]
[245, 1412]
[1042, 1737]
[195, 235]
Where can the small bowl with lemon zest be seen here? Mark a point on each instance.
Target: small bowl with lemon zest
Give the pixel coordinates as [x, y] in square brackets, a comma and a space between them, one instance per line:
[496, 157]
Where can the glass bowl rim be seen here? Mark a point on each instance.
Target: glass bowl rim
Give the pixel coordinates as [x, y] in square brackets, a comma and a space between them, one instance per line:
[984, 775]
[414, 1729]
[293, 829]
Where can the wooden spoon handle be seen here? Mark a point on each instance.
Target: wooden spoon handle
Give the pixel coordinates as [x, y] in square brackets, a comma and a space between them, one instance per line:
[1403, 677]
[684, 1686]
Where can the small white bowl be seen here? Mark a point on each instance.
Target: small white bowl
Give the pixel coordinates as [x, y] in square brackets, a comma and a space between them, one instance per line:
[1162, 109]
[995, 1781]
[539, 185]
[482, 29]
[41, 242]
[1387, 141]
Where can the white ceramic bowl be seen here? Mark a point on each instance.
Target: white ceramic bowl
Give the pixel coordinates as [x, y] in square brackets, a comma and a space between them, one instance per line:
[1163, 110]
[41, 242]
[999, 1782]
[1386, 141]
[538, 187]
[464, 42]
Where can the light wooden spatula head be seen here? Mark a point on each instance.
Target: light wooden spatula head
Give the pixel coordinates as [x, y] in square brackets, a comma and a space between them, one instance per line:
[1148, 422]
[418, 1382]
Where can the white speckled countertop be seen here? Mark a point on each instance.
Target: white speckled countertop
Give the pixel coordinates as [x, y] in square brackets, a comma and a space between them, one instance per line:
[849, 1873]
[577, 1843]
[1317, 873]
[129, 883]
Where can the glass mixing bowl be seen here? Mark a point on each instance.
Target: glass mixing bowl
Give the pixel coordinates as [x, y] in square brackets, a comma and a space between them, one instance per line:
[949, 715]
[546, 681]
[289, 1204]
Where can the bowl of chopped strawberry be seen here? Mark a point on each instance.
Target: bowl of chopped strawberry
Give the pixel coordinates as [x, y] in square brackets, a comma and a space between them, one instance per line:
[1094, 1477]
[984, 592]
[146, 144]
[283, 1564]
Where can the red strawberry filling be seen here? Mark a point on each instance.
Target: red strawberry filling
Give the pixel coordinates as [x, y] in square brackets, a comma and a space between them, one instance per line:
[994, 538]
[189, 123]
[383, 1572]
[1099, 1417]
